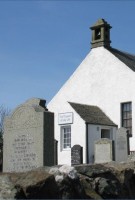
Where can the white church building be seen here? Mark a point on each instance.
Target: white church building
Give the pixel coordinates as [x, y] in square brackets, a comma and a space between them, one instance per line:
[98, 98]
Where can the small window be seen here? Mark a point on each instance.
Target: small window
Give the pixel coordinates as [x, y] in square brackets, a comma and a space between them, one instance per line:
[126, 112]
[65, 137]
[105, 133]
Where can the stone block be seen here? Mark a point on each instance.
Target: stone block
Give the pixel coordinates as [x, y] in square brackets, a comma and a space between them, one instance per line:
[103, 151]
[28, 137]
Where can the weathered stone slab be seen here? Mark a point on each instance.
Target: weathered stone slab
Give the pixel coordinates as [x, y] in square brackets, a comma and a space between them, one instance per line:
[76, 155]
[103, 151]
[28, 137]
[121, 151]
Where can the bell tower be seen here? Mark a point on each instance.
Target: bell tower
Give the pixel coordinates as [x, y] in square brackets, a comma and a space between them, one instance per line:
[100, 34]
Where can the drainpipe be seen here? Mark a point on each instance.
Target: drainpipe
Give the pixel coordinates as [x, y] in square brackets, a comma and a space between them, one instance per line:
[86, 142]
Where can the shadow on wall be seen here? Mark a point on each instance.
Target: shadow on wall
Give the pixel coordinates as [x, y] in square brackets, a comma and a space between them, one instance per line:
[1, 160]
[1, 154]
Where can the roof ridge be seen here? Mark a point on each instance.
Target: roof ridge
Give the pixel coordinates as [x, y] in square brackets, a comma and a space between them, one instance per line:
[83, 104]
[119, 50]
[127, 58]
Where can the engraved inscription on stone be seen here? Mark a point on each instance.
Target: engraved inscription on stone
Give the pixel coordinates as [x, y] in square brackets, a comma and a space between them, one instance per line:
[24, 157]
[103, 151]
[121, 142]
[121, 153]
[76, 155]
[28, 137]
[24, 116]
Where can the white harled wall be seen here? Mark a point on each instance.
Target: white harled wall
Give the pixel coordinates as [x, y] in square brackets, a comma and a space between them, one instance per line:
[101, 80]
[96, 129]
[77, 130]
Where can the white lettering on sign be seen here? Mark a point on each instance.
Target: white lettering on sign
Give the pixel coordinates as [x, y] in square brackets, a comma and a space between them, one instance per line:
[65, 118]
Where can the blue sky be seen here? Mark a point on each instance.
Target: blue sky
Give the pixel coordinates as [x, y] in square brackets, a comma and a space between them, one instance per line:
[43, 42]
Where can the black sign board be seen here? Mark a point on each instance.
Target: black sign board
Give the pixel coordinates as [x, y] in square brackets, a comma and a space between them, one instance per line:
[76, 155]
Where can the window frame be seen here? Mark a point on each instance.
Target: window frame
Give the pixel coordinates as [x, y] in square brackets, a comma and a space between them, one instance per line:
[108, 134]
[126, 117]
[65, 137]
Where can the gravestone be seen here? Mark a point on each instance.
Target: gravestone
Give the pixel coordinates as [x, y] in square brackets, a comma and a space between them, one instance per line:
[121, 146]
[28, 137]
[103, 151]
[76, 155]
[55, 152]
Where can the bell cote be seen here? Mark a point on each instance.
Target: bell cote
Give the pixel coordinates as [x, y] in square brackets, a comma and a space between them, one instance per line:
[100, 34]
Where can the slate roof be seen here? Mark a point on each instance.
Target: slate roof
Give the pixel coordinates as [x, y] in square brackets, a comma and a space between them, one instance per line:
[125, 57]
[92, 114]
